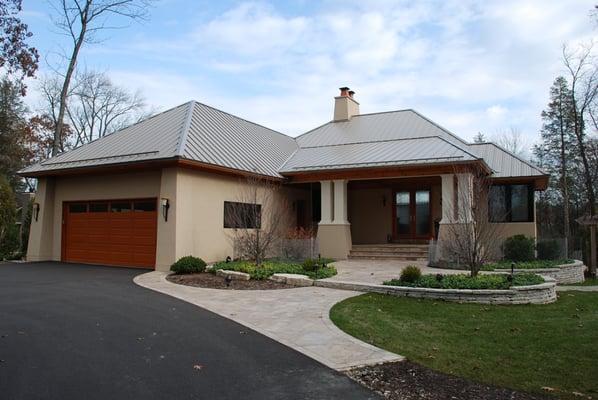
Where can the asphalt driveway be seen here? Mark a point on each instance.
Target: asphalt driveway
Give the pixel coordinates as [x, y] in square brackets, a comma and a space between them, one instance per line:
[74, 331]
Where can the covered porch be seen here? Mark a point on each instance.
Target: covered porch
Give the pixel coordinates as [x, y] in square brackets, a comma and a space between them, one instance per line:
[387, 217]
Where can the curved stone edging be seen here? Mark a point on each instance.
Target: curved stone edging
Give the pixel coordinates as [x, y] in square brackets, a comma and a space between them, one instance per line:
[543, 293]
[563, 274]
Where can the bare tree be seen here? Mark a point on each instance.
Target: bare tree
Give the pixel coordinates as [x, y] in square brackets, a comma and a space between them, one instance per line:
[82, 21]
[98, 107]
[512, 140]
[95, 107]
[258, 218]
[471, 237]
[583, 76]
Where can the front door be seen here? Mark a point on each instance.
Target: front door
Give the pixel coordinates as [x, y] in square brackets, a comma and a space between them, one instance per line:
[412, 214]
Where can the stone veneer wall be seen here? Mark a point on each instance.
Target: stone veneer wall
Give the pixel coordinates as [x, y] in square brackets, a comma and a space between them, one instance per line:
[563, 274]
[543, 293]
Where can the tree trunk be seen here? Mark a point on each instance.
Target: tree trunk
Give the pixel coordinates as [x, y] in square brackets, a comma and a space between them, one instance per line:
[57, 143]
[565, 189]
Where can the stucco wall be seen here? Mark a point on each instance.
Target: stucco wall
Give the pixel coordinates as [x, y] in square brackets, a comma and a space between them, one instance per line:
[200, 212]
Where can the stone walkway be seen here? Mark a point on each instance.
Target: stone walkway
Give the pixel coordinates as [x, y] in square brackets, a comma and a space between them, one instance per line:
[295, 317]
[378, 271]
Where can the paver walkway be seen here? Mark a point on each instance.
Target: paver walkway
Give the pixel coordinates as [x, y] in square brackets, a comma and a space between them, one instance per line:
[378, 271]
[295, 317]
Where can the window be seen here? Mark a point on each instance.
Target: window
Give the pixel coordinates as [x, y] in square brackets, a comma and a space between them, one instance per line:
[511, 203]
[120, 206]
[144, 205]
[98, 207]
[78, 208]
[242, 215]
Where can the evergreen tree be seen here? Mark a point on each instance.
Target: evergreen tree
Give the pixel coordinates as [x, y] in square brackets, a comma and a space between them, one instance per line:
[557, 148]
[13, 124]
[479, 138]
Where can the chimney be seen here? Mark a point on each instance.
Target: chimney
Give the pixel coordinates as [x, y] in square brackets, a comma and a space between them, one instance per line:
[345, 105]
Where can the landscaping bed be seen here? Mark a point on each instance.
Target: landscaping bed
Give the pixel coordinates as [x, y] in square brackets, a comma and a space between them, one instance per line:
[208, 280]
[409, 381]
[533, 264]
[462, 281]
[271, 267]
[545, 350]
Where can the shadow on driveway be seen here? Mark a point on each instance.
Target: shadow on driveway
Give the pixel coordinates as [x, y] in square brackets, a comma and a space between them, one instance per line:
[72, 331]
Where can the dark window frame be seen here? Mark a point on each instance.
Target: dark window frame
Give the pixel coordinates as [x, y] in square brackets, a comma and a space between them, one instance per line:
[228, 220]
[508, 204]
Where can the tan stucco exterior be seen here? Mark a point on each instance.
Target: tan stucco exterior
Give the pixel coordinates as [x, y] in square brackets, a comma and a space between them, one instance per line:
[196, 215]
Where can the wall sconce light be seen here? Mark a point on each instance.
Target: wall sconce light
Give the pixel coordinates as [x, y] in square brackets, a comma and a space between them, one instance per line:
[35, 210]
[165, 206]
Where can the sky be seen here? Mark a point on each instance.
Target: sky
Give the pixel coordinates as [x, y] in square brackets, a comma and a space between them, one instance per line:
[471, 66]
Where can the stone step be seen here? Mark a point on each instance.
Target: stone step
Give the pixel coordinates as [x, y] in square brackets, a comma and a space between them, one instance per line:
[387, 257]
[389, 250]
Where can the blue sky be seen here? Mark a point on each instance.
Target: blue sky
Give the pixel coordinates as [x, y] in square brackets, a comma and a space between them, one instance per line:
[468, 65]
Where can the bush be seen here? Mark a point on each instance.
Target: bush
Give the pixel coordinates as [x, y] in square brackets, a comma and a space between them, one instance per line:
[310, 265]
[188, 265]
[410, 274]
[519, 248]
[548, 250]
[270, 267]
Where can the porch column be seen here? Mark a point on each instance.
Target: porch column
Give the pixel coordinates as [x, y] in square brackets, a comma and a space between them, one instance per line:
[334, 230]
[340, 202]
[42, 233]
[326, 201]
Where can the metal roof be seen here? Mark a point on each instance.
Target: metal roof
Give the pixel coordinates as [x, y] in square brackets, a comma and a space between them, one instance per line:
[402, 124]
[191, 131]
[503, 163]
[198, 132]
[425, 150]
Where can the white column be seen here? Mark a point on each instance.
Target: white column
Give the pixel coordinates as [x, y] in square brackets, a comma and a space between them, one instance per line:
[465, 196]
[326, 202]
[340, 202]
[448, 198]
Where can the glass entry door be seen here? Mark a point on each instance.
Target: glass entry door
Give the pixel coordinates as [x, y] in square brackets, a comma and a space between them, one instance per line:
[412, 214]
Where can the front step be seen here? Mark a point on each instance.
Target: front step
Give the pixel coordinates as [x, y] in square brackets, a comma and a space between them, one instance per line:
[390, 251]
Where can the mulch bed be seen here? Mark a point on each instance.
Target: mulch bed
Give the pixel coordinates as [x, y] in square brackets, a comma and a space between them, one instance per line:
[208, 280]
[405, 381]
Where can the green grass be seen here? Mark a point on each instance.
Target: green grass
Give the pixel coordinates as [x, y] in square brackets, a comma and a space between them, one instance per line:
[270, 267]
[587, 282]
[462, 281]
[526, 264]
[523, 347]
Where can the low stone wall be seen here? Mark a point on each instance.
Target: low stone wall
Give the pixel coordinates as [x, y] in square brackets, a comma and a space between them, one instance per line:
[563, 274]
[543, 293]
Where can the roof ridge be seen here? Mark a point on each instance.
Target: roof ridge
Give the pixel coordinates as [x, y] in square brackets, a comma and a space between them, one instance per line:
[439, 126]
[243, 119]
[515, 156]
[185, 130]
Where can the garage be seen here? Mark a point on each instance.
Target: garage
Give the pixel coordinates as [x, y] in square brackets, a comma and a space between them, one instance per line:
[110, 232]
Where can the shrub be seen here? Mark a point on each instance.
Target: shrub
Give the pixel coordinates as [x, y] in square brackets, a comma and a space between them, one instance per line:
[188, 265]
[519, 248]
[548, 250]
[310, 265]
[410, 274]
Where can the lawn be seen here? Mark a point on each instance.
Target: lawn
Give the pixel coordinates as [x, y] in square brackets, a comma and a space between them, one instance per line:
[525, 347]
[587, 282]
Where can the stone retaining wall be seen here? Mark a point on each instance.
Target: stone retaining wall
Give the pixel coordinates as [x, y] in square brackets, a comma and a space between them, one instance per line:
[543, 293]
[563, 274]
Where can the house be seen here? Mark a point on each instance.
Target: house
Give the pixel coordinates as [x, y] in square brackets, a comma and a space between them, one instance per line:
[160, 189]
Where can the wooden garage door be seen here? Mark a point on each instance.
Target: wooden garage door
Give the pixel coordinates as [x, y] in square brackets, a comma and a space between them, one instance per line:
[116, 232]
